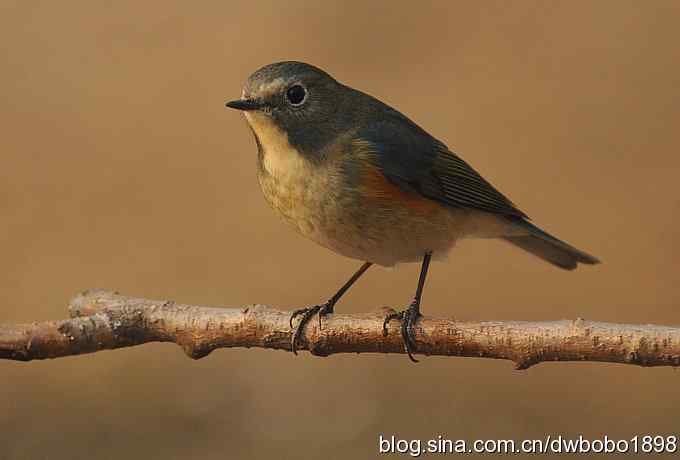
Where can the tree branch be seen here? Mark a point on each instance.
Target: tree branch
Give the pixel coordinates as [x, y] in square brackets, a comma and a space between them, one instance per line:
[102, 320]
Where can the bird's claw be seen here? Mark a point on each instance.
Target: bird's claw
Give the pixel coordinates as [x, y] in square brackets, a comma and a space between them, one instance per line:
[408, 319]
[307, 314]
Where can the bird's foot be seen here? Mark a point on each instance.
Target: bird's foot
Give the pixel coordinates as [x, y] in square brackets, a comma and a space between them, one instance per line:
[408, 319]
[307, 314]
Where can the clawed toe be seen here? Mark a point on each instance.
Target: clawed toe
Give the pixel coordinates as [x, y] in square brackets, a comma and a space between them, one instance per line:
[408, 319]
[307, 314]
[301, 311]
[394, 315]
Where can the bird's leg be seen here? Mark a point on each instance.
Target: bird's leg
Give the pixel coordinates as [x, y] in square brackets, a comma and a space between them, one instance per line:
[409, 316]
[321, 310]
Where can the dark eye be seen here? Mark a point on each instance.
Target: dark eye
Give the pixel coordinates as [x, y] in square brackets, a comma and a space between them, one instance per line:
[296, 94]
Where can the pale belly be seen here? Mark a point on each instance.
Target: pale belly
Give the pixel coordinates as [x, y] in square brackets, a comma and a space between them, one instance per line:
[324, 210]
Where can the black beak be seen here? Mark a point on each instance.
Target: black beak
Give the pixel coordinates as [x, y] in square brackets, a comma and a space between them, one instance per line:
[244, 104]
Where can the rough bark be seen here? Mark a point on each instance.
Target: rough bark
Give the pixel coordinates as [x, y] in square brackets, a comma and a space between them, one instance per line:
[103, 320]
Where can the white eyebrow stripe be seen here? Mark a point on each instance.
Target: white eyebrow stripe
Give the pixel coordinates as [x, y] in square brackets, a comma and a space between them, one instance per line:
[265, 90]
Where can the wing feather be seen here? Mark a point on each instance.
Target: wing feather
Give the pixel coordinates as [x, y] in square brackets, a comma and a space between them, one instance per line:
[415, 161]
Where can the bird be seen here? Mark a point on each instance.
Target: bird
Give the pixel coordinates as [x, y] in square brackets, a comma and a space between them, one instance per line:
[361, 179]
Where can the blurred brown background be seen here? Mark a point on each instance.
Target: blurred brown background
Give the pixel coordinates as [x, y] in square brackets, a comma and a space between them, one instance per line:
[121, 168]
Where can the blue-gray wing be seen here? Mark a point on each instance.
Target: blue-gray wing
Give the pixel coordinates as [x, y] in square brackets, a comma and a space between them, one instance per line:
[415, 161]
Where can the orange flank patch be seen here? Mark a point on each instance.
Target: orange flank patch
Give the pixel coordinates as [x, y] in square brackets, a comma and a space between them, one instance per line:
[374, 185]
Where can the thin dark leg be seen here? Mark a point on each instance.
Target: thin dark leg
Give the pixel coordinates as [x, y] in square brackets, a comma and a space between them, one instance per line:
[322, 310]
[410, 316]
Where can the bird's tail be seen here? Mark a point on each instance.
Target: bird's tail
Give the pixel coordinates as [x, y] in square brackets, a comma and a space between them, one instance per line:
[549, 248]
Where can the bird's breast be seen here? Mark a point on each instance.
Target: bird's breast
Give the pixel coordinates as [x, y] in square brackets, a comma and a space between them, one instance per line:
[304, 193]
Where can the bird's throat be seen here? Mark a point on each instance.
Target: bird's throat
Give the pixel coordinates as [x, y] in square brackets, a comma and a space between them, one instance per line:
[277, 156]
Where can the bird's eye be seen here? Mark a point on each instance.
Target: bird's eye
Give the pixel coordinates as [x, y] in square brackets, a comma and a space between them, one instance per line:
[296, 94]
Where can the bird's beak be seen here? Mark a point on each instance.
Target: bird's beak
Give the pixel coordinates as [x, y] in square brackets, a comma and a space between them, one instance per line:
[245, 104]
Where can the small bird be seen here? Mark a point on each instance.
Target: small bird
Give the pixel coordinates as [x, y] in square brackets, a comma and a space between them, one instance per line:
[358, 177]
